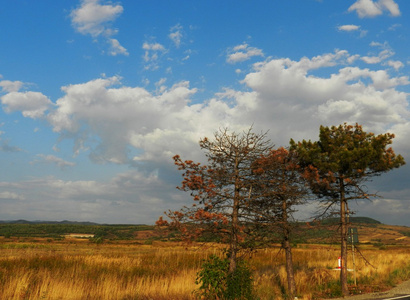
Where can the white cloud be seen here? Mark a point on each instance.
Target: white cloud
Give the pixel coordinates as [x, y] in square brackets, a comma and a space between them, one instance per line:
[10, 86]
[391, 6]
[123, 116]
[377, 59]
[10, 196]
[288, 79]
[95, 19]
[368, 8]
[383, 55]
[116, 48]
[131, 125]
[151, 55]
[92, 18]
[128, 125]
[365, 8]
[242, 53]
[349, 28]
[51, 159]
[31, 104]
[153, 46]
[285, 88]
[394, 27]
[176, 34]
[395, 64]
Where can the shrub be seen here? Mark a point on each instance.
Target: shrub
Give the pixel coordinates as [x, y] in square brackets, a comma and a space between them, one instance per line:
[217, 283]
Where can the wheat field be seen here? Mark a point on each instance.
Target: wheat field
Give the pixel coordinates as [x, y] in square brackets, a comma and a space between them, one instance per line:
[167, 270]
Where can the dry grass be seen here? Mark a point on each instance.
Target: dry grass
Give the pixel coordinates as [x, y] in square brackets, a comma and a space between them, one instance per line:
[81, 270]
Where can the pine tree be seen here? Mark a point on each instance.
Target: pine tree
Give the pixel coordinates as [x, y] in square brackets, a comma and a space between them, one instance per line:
[344, 158]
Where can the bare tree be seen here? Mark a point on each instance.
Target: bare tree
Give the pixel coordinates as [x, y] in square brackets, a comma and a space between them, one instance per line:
[221, 190]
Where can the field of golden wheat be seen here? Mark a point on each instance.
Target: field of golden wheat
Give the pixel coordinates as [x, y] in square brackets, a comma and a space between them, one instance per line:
[78, 269]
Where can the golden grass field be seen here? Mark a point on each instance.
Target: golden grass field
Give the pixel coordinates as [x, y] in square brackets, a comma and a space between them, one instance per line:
[78, 269]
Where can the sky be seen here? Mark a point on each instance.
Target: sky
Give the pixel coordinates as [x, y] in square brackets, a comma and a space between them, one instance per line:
[97, 96]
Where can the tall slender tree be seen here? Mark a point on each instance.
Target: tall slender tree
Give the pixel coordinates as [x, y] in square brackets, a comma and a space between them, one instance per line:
[344, 158]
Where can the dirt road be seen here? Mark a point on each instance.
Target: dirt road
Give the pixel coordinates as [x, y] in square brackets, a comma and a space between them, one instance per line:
[401, 289]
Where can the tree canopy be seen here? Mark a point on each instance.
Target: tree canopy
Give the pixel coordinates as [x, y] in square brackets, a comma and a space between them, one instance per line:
[346, 155]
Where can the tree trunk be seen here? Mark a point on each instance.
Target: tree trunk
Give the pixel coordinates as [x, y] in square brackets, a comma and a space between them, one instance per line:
[289, 269]
[343, 236]
[234, 241]
[288, 251]
[235, 222]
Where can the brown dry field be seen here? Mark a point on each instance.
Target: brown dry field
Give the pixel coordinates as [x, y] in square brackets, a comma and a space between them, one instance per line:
[79, 269]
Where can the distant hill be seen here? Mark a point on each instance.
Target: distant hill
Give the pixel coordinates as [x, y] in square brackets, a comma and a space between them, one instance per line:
[65, 222]
[59, 229]
[353, 220]
[370, 231]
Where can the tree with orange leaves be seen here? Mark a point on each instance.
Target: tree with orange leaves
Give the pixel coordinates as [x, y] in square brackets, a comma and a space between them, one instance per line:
[281, 186]
[343, 159]
[221, 190]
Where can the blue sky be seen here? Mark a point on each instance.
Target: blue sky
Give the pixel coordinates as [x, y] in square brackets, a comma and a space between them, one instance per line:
[97, 96]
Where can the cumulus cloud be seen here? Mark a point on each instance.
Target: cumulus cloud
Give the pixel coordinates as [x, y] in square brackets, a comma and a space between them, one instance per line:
[31, 104]
[391, 6]
[368, 8]
[144, 129]
[279, 77]
[365, 8]
[93, 18]
[123, 116]
[286, 88]
[10, 86]
[384, 54]
[242, 53]
[116, 48]
[131, 125]
[395, 64]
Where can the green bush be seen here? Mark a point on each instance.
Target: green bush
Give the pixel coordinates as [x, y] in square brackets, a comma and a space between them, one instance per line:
[217, 283]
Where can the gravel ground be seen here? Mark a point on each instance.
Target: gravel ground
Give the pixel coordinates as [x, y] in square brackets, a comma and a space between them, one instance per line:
[401, 289]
